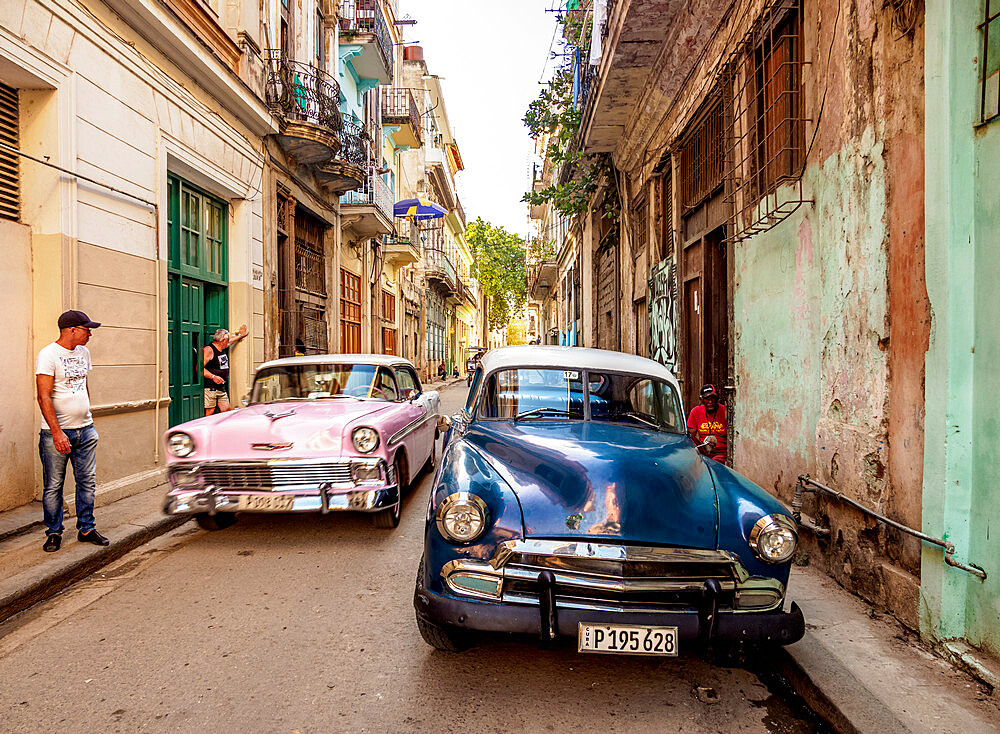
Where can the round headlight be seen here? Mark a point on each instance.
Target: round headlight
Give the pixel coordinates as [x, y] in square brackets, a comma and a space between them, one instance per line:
[365, 439]
[773, 538]
[180, 445]
[462, 517]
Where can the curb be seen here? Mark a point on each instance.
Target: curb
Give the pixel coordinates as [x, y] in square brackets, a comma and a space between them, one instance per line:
[833, 692]
[31, 588]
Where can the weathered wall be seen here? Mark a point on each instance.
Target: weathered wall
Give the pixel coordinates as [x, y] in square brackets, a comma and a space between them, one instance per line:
[831, 313]
[18, 438]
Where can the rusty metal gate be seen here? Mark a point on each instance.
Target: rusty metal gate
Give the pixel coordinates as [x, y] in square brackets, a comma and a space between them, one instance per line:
[607, 298]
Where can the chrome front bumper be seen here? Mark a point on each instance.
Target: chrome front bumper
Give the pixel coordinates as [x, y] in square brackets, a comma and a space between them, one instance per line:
[210, 501]
[314, 486]
[596, 576]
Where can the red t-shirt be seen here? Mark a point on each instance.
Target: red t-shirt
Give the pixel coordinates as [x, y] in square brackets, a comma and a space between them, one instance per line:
[706, 425]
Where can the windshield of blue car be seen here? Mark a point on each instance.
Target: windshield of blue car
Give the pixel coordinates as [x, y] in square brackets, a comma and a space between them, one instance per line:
[530, 394]
[544, 393]
[317, 381]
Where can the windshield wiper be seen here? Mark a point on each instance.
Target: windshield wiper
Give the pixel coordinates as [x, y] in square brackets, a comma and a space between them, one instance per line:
[542, 411]
[646, 421]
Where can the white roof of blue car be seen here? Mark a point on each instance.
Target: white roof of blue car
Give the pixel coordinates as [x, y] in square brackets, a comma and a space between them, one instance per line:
[574, 358]
[387, 360]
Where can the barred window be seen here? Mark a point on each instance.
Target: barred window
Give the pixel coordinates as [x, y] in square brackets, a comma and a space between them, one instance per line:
[10, 169]
[703, 157]
[778, 148]
[990, 102]
[640, 226]
[350, 312]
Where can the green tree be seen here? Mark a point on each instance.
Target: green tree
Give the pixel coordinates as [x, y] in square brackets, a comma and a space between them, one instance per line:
[498, 263]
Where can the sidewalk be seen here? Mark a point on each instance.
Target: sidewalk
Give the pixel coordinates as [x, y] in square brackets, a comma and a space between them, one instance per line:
[864, 672]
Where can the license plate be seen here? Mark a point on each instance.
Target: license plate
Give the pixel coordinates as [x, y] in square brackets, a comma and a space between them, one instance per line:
[627, 639]
[265, 502]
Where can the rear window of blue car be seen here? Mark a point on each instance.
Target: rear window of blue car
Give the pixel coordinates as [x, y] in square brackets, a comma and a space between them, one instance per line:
[558, 394]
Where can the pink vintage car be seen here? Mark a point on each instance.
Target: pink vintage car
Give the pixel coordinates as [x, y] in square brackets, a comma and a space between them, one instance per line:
[321, 433]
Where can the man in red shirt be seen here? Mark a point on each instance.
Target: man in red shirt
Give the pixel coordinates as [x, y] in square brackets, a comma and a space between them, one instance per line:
[709, 419]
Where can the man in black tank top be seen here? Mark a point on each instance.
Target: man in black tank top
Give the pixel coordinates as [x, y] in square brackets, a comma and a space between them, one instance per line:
[215, 359]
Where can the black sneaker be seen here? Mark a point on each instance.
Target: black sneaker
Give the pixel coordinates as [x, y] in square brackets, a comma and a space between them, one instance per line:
[52, 543]
[92, 536]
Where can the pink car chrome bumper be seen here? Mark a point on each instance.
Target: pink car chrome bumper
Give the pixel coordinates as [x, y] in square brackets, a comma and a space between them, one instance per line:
[281, 485]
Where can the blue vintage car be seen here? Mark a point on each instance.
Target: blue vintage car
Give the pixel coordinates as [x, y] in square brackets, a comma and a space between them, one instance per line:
[570, 501]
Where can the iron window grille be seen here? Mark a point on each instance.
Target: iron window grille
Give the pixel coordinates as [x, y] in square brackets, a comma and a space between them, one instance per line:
[990, 82]
[765, 150]
[703, 156]
[10, 163]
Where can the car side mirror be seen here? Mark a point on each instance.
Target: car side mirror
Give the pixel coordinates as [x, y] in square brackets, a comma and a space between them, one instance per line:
[409, 393]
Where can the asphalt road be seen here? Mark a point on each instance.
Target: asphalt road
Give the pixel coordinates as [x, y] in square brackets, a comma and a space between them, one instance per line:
[305, 624]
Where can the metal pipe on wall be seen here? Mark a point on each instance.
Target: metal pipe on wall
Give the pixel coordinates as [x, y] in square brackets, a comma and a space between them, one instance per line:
[948, 546]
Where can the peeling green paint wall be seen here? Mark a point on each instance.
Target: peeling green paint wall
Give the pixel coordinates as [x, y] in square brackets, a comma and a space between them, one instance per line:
[811, 312]
[961, 488]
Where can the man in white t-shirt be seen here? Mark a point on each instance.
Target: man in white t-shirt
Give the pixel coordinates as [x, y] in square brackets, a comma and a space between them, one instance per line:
[68, 432]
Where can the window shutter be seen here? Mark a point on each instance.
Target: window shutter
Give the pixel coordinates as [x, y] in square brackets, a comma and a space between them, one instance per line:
[10, 172]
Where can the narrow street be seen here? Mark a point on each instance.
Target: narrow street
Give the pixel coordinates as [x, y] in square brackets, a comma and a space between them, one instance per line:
[305, 623]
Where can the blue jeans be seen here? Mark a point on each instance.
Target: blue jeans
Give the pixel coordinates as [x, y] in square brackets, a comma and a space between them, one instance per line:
[83, 454]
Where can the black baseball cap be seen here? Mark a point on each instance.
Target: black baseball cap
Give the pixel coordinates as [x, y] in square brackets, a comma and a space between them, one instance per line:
[69, 319]
[708, 391]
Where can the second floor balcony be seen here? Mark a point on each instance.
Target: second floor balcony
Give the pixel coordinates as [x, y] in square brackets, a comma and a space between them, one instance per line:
[399, 109]
[363, 24]
[368, 209]
[305, 100]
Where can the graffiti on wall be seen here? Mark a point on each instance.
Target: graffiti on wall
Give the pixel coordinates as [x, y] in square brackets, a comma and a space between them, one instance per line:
[663, 314]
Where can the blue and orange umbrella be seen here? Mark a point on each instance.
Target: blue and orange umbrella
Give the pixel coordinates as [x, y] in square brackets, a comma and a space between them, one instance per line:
[418, 209]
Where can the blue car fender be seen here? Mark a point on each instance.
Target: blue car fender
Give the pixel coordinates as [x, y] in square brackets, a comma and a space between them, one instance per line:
[463, 469]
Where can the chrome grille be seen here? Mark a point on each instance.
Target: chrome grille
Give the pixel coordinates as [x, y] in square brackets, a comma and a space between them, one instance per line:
[257, 475]
[618, 576]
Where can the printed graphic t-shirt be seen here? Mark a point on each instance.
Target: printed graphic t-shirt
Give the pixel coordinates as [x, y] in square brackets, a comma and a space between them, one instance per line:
[710, 425]
[69, 370]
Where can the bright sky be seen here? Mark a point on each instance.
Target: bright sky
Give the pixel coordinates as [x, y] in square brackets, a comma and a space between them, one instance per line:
[490, 56]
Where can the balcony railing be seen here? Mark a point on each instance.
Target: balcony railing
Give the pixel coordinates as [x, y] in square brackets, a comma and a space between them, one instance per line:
[302, 92]
[365, 16]
[374, 192]
[400, 108]
[460, 211]
[356, 144]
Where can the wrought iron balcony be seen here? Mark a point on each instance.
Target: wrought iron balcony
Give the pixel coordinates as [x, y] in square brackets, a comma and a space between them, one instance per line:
[305, 100]
[301, 92]
[374, 192]
[357, 144]
[399, 107]
[361, 21]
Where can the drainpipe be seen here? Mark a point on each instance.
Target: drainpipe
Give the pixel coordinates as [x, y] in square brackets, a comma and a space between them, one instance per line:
[814, 486]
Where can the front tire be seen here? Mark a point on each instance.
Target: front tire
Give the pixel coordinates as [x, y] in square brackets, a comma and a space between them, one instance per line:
[445, 639]
[220, 521]
[389, 518]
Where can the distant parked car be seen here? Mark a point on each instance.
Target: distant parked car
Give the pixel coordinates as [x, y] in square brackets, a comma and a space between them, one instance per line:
[322, 433]
[571, 501]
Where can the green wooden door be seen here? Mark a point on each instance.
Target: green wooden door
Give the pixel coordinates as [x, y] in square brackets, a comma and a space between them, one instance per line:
[197, 301]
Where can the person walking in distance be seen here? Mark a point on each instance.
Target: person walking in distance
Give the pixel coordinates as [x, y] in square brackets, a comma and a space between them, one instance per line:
[68, 433]
[709, 419]
[216, 369]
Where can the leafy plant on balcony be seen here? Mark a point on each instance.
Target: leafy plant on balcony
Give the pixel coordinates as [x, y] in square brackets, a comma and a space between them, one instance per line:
[556, 116]
[498, 263]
